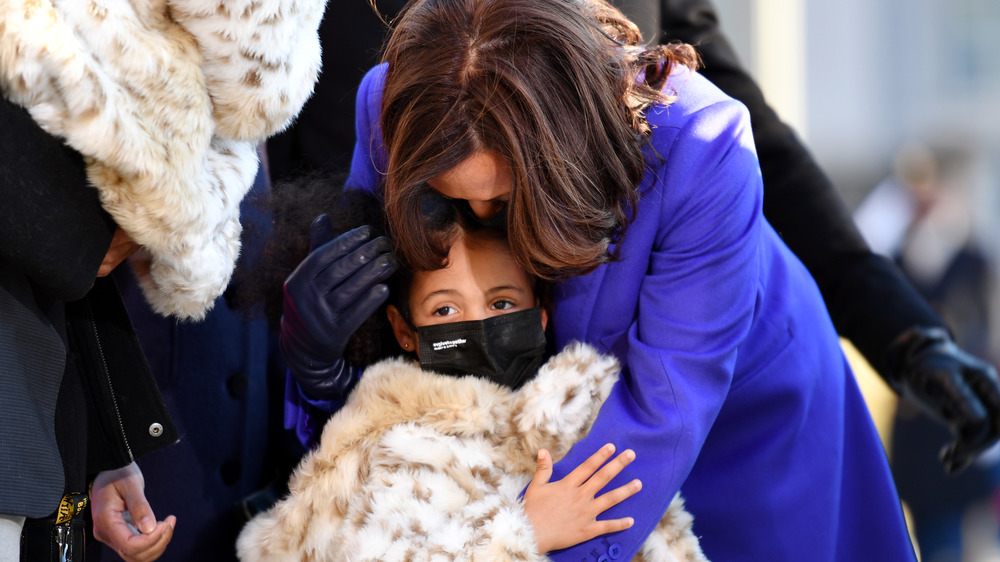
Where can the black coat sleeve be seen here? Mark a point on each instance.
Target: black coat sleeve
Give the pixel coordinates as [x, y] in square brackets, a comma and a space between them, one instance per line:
[870, 301]
[126, 415]
[52, 226]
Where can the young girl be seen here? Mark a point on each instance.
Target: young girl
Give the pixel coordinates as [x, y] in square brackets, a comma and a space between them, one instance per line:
[430, 460]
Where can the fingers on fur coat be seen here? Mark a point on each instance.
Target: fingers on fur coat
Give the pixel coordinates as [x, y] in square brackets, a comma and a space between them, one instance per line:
[423, 466]
[167, 101]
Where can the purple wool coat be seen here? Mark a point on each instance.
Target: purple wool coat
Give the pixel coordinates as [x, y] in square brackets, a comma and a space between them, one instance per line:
[734, 389]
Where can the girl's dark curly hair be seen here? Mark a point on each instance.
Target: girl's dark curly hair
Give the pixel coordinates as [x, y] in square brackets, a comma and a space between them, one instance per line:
[294, 205]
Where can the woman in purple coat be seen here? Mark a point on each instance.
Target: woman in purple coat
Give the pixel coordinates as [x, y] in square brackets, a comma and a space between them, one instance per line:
[634, 181]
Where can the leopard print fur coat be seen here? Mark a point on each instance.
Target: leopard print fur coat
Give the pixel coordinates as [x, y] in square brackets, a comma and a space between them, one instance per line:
[419, 466]
[166, 100]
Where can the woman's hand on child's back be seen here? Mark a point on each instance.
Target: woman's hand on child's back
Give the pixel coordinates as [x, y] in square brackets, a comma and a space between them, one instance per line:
[564, 513]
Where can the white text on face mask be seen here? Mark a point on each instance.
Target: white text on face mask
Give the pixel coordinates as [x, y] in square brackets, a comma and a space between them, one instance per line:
[447, 344]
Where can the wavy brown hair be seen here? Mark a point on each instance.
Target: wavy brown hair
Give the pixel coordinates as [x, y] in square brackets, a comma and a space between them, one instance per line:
[558, 88]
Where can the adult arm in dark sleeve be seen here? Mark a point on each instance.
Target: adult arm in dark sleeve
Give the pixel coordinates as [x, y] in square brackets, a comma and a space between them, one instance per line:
[870, 301]
[52, 226]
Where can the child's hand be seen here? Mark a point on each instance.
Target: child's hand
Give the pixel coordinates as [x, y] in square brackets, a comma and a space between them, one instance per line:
[564, 513]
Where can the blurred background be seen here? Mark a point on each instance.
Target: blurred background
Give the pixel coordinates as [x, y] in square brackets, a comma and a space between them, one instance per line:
[899, 101]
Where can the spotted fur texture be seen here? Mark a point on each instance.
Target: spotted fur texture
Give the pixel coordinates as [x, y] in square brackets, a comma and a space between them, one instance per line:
[166, 100]
[419, 466]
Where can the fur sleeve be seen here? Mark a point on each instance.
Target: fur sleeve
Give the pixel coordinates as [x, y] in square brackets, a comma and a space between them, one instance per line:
[558, 406]
[152, 110]
[261, 59]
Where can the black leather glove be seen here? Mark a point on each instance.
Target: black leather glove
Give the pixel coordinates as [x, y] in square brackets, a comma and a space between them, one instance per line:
[952, 386]
[335, 288]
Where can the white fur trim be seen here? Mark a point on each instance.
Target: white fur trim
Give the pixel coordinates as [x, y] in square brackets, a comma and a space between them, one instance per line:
[262, 58]
[150, 104]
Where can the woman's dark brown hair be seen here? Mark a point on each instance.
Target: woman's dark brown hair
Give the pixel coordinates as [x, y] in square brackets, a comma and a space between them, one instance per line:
[557, 88]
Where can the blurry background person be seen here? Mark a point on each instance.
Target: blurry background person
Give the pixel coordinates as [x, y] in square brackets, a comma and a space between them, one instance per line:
[921, 217]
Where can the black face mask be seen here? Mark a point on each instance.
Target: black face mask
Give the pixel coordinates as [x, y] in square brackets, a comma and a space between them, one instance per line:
[506, 349]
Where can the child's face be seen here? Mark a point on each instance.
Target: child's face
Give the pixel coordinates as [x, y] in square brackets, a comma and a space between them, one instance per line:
[481, 280]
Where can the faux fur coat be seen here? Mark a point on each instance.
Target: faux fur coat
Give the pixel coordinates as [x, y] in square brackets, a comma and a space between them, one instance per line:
[420, 466]
[166, 100]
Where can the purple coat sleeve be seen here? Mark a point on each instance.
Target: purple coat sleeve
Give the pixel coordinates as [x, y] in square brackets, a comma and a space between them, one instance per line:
[306, 415]
[676, 308]
[369, 159]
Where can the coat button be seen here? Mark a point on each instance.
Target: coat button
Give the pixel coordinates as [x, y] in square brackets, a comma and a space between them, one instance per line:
[615, 551]
[156, 430]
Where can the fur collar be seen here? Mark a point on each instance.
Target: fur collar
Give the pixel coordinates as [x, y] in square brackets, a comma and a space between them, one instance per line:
[166, 100]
